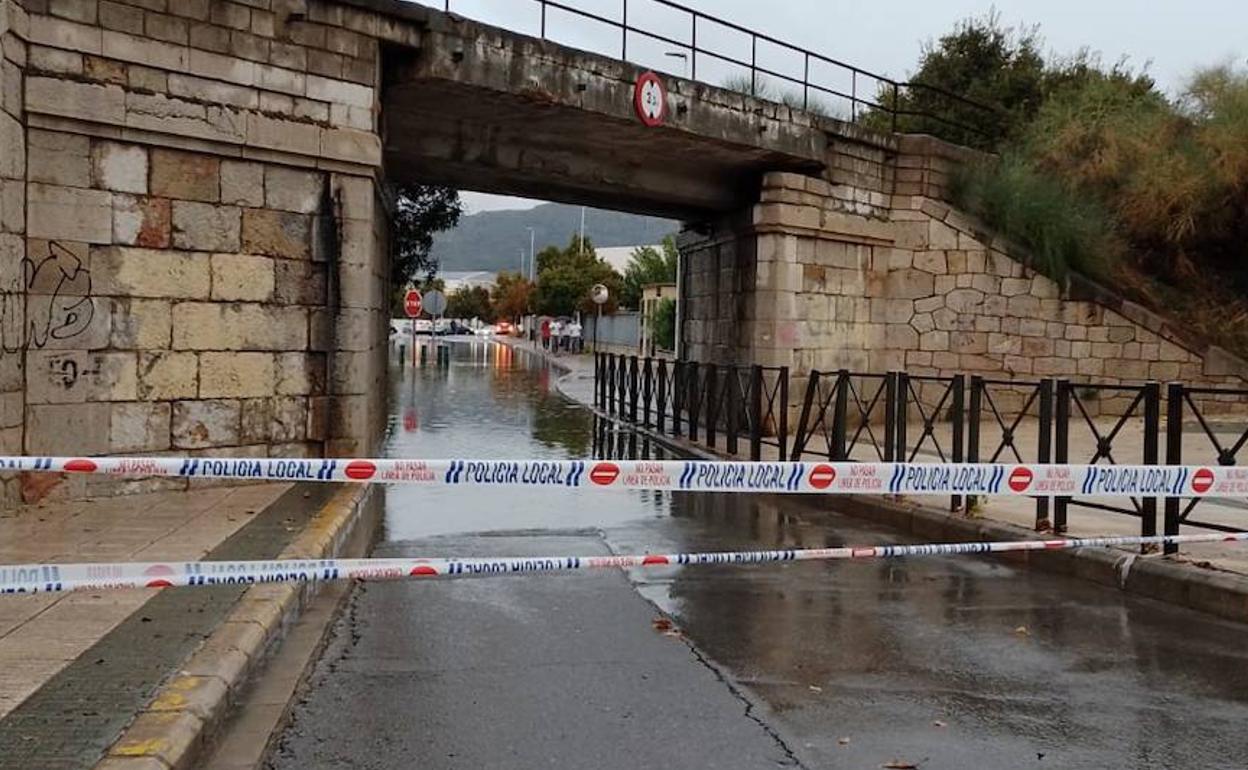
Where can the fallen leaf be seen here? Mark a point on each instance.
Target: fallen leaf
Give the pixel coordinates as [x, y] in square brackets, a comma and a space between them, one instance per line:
[816, 688]
[843, 741]
[661, 624]
[938, 723]
[1022, 631]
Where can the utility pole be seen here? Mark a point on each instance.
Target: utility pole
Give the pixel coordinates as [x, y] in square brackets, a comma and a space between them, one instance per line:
[581, 247]
[532, 259]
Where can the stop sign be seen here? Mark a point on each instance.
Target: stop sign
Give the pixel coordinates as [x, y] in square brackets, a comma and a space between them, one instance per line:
[411, 303]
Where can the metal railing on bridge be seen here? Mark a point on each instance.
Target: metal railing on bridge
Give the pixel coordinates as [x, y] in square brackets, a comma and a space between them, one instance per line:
[897, 417]
[865, 92]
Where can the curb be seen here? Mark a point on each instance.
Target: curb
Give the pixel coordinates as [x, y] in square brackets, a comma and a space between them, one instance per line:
[191, 706]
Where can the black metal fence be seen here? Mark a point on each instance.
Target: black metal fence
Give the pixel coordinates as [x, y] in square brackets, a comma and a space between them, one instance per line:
[864, 91]
[708, 403]
[1217, 444]
[897, 417]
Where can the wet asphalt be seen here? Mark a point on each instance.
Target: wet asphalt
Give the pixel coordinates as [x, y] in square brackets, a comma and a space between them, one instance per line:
[936, 663]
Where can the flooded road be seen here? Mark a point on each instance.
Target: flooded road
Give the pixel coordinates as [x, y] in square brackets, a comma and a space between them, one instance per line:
[937, 663]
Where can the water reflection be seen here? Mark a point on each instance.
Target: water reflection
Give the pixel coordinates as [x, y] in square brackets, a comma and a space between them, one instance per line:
[1016, 663]
[492, 403]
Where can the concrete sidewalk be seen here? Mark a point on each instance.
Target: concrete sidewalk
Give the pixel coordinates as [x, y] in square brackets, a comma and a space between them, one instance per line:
[140, 678]
[40, 634]
[577, 382]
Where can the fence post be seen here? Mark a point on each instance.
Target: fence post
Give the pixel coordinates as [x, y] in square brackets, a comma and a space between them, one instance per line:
[661, 397]
[680, 371]
[693, 405]
[610, 384]
[597, 380]
[732, 385]
[1152, 434]
[623, 389]
[1174, 456]
[647, 391]
[803, 420]
[958, 396]
[1044, 449]
[756, 414]
[632, 389]
[840, 417]
[711, 405]
[782, 440]
[890, 417]
[972, 429]
[1061, 452]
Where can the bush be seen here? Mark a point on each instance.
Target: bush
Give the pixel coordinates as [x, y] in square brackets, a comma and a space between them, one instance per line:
[663, 324]
[1062, 230]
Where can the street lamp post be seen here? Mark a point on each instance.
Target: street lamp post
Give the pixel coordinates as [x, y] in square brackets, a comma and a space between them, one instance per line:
[599, 295]
[684, 61]
[532, 259]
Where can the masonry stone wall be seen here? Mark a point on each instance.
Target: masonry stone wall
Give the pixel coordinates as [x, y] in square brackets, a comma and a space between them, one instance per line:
[13, 25]
[845, 276]
[193, 246]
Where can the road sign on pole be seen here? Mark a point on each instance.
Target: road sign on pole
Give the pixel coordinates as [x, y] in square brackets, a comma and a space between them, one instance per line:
[599, 294]
[435, 303]
[412, 303]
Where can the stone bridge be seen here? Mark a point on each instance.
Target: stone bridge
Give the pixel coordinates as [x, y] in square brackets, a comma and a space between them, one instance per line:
[194, 240]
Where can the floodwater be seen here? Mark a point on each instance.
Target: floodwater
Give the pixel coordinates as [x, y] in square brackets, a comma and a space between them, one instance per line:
[955, 662]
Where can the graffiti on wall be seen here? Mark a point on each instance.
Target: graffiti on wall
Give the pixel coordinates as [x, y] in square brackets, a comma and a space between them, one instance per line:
[56, 291]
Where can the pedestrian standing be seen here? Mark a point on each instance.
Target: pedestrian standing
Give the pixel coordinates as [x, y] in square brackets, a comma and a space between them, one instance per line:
[546, 333]
[574, 336]
[556, 334]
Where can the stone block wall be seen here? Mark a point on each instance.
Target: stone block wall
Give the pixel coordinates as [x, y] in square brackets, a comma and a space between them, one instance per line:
[193, 248]
[13, 26]
[842, 276]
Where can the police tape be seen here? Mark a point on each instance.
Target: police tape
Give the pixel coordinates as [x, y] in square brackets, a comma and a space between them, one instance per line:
[689, 475]
[40, 578]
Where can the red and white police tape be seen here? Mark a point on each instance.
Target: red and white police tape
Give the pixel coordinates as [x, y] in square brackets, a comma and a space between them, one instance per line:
[687, 475]
[38, 578]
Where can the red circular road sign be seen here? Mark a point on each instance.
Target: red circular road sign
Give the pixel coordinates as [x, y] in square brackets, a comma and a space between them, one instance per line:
[822, 476]
[650, 99]
[1202, 481]
[1020, 479]
[412, 303]
[604, 474]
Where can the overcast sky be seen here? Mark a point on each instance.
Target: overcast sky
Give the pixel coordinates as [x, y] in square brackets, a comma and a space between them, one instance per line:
[1172, 38]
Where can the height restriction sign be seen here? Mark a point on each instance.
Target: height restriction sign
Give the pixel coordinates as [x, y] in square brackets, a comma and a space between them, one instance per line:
[650, 99]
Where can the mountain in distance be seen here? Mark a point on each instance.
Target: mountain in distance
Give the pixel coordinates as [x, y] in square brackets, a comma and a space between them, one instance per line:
[492, 240]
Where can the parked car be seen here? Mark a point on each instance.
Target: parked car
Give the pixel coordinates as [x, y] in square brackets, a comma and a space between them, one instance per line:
[424, 326]
[503, 328]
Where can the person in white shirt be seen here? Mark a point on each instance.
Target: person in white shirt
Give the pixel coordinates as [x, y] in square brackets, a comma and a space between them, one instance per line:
[556, 336]
[574, 336]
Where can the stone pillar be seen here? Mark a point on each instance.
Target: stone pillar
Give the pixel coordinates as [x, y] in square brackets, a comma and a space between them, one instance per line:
[204, 255]
[13, 31]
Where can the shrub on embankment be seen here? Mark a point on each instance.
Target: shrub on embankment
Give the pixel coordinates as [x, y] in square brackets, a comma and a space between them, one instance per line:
[1097, 170]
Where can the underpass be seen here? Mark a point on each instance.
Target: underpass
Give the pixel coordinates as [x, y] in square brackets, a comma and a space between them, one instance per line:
[941, 662]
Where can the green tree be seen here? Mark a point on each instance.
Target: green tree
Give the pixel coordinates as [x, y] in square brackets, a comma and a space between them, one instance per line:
[648, 265]
[420, 212]
[512, 296]
[470, 302]
[981, 61]
[663, 324]
[565, 277]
